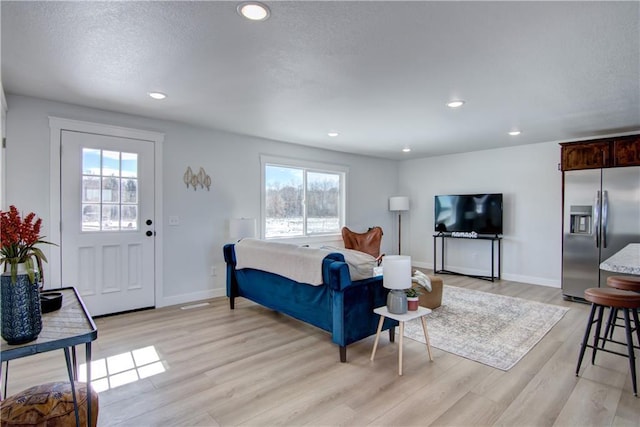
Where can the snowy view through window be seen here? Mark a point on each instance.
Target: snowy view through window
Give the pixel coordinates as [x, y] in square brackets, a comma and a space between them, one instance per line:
[287, 191]
[109, 190]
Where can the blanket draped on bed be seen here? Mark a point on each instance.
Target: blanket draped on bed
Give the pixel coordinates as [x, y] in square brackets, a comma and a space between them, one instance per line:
[250, 253]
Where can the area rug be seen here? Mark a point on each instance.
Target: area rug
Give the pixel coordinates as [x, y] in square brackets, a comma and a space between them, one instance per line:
[495, 330]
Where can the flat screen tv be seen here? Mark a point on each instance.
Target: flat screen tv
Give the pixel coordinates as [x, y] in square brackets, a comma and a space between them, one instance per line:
[469, 213]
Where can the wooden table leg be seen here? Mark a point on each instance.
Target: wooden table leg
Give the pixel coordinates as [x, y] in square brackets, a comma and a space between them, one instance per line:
[426, 337]
[400, 349]
[375, 343]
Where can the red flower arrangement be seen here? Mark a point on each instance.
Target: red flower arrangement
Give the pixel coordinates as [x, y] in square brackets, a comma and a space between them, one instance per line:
[19, 237]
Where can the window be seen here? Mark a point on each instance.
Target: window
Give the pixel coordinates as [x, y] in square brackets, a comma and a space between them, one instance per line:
[109, 190]
[302, 199]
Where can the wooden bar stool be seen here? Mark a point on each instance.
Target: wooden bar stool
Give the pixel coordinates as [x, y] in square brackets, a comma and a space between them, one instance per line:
[625, 283]
[626, 301]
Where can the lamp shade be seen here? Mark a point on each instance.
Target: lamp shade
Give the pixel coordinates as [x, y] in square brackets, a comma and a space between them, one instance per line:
[399, 203]
[396, 271]
[239, 228]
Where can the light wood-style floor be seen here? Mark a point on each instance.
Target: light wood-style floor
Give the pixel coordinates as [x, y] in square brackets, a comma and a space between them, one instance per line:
[252, 366]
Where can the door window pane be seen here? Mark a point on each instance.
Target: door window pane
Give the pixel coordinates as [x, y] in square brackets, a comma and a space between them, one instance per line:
[109, 190]
[90, 217]
[129, 191]
[129, 217]
[110, 163]
[90, 161]
[129, 165]
[110, 217]
[90, 189]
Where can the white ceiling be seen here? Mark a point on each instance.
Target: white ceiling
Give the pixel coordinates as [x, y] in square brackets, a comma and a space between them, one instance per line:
[378, 72]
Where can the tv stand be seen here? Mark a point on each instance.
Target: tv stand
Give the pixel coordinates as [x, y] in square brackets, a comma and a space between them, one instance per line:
[493, 240]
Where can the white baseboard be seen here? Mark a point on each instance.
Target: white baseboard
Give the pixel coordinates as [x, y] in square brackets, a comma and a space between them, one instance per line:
[544, 281]
[194, 296]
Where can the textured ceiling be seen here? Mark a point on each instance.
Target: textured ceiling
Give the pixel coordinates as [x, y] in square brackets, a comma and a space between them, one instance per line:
[379, 73]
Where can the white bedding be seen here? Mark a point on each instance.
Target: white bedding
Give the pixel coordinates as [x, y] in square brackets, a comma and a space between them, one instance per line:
[295, 262]
[361, 264]
[299, 263]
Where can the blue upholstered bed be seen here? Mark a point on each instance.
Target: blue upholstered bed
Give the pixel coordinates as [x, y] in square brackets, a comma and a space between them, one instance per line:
[340, 306]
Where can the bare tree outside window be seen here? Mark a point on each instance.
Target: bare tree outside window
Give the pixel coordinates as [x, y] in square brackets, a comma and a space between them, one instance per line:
[323, 203]
[284, 207]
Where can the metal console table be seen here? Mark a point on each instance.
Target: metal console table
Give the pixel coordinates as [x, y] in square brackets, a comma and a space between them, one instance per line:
[442, 270]
[65, 328]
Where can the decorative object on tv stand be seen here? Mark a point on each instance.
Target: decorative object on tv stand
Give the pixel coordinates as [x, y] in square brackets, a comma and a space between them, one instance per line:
[197, 179]
[19, 285]
[239, 228]
[396, 275]
[399, 204]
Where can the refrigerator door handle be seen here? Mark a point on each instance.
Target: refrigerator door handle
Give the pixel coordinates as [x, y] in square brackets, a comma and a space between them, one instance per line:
[605, 217]
[596, 219]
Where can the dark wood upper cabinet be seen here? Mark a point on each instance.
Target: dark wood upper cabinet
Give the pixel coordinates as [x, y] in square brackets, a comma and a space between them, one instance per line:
[626, 152]
[585, 155]
[601, 153]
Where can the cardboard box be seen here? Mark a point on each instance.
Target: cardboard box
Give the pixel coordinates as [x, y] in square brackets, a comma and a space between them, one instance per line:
[431, 299]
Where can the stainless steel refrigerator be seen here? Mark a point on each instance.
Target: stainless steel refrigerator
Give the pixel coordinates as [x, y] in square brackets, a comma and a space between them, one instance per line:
[601, 216]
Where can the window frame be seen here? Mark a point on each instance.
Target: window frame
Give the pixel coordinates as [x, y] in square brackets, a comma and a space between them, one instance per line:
[306, 166]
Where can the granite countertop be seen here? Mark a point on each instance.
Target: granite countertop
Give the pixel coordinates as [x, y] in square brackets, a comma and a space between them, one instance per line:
[626, 260]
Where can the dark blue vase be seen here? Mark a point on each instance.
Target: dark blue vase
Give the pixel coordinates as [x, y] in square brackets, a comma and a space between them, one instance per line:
[21, 315]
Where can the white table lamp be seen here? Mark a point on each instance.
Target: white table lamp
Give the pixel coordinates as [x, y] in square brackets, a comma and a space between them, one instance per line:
[399, 204]
[396, 275]
[239, 228]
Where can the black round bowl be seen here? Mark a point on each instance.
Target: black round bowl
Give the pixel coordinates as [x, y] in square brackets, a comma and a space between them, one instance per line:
[50, 301]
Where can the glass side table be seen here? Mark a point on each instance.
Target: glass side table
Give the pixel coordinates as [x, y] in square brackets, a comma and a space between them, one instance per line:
[65, 328]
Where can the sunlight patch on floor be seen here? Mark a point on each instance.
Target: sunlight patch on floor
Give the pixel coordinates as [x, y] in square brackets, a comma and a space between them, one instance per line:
[124, 368]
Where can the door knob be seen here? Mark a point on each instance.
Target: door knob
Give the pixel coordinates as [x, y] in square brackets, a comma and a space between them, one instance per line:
[149, 233]
[149, 222]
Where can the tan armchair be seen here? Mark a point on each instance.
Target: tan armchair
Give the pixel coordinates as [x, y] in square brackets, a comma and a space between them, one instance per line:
[368, 242]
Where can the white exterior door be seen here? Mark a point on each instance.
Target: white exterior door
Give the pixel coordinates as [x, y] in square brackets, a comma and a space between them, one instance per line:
[108, 221]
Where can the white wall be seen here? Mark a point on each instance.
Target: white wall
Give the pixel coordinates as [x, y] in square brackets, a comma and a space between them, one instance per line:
[527, 175]
[3, 128]
[529, 178]
[232, 161]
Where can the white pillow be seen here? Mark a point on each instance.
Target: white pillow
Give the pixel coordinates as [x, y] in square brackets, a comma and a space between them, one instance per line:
[360, 264]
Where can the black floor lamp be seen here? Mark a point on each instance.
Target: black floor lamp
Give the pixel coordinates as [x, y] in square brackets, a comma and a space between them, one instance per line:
[399, 204]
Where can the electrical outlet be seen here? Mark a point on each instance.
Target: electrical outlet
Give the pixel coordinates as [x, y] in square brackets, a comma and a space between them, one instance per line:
[213, 271]
[174, 220]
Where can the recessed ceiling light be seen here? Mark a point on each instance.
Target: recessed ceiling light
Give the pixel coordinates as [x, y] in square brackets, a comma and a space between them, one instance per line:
[157, 95]
[515, 133]
[333, 134]
[254, 10]
[455, 104]
[406, 149]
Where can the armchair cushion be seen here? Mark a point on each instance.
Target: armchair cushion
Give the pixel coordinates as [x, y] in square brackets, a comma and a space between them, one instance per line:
[368, 242]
